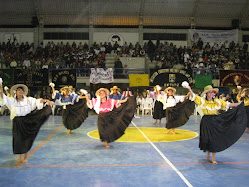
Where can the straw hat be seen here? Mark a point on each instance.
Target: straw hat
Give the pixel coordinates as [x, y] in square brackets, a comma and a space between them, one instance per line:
[70, 88]
[209, 88]
[170, 88]
[157, 86]
[102, 89]
[115, 88]
[243, 92]
[14, 88]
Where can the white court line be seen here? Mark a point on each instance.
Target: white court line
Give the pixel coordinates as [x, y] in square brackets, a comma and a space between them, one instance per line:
[165, 158]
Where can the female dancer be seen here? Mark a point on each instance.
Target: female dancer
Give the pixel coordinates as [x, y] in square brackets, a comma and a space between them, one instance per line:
[218, 131]
[74, 110]
[177, 109]
[115, 94]
[113, 119]
[244, 96]
[159, 113]
[27, 115]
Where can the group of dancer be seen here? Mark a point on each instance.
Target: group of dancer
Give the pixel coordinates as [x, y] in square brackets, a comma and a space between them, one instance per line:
[218, 131]
[176, 109]
[115, 113]
[28, 113]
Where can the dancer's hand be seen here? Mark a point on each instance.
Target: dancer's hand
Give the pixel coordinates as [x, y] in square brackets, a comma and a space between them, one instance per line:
[49, 103]
[185, 84]
[126, 99]
[123, 101]
[83, 91]
[52, 84]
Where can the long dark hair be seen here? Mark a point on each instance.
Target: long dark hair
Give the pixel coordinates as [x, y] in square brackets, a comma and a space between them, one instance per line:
[20, 87]
[168, 97]
[207, 98]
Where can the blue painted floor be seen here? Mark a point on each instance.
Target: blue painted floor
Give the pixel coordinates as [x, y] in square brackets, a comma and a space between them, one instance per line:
[78, 160]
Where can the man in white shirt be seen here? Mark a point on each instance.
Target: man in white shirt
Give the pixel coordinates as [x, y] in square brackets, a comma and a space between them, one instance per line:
[26, 63]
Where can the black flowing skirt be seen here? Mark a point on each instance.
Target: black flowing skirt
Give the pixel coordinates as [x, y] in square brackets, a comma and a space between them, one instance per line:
[179, 115]
[247, 113]
[112, 125]
[26, 128]
[74, 115]
[159, 113]
[218, 132]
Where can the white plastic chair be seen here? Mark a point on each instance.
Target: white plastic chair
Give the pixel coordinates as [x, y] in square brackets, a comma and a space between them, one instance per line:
[147, 107]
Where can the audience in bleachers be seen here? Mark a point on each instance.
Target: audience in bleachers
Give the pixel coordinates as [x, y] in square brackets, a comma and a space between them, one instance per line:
[199, 56]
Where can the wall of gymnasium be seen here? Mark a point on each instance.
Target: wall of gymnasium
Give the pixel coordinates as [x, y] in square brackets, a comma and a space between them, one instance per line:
[129, 35]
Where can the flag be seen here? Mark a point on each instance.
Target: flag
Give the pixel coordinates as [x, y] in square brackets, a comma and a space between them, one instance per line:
[138, 80]
[202, 80]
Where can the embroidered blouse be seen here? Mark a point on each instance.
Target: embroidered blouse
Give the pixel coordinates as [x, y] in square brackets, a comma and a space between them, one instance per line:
[170, 101]
[73, 98]
[21, 108]
[117, 97]
[127, 93]
[210, 107]
[157, 96]
[104, 106]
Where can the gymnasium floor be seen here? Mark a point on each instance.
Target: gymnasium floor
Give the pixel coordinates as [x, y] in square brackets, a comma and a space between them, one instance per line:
[58, 159]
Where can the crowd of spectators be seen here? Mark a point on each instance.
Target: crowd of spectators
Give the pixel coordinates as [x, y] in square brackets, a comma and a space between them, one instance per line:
[199, 56]
[202, 56]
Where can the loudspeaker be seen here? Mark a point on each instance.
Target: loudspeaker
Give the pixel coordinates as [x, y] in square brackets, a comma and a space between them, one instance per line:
[34, 21]
[235, 23]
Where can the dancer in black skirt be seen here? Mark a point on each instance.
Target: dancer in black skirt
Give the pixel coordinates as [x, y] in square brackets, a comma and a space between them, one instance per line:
[113, 119]
[218, 131]
[244, 96]
[28, 115]
[178, 109]
[159, 113]
[74, 110]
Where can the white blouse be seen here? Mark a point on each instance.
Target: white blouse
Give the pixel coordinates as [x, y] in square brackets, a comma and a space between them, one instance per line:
[171, 101]
[21, 108]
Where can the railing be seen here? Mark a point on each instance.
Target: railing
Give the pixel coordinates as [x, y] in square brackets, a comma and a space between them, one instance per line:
[213, 72]
[124, 72]
[117, 72]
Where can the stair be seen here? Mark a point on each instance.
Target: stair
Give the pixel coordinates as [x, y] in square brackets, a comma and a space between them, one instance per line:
[110, 59]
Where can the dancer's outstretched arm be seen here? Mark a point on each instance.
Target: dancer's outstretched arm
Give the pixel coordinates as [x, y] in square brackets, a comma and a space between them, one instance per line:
[235, 104]
[1, 88]
[123, 101]
[52, 87]
[191, 93]
[46, 101]
[85, 95]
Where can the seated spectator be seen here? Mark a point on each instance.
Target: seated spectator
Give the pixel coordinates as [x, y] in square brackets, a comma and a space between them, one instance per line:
[13, 64]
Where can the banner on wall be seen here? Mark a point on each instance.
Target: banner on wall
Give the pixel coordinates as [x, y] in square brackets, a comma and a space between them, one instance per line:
[136, 80]
[202, 80]
[31, 77]
[63, 78]
[8, 76]
[233, 78]
[213, 35]
[170, 77]
[116, 38]
[101, 75]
